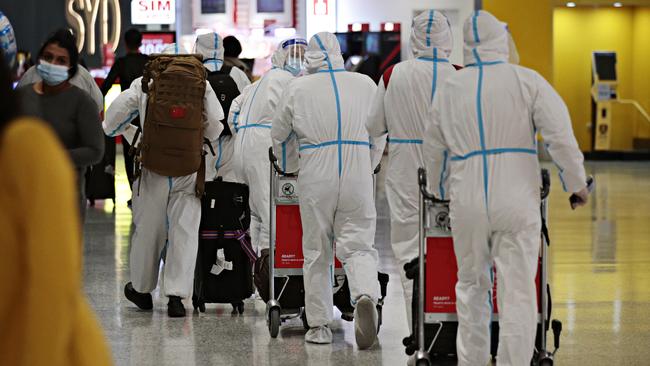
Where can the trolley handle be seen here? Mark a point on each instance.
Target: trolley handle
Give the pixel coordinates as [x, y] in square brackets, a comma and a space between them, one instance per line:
[274, 160]
[422, 181]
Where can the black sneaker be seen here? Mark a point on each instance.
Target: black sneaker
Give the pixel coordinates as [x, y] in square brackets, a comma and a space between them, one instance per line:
[143, 301]
[175, 308]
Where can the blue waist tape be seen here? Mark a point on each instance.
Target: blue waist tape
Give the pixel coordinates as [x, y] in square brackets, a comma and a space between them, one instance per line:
[334, 143]
[494, 152]
[405, 141]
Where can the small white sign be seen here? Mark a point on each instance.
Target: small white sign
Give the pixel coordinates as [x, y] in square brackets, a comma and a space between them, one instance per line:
[153, 11]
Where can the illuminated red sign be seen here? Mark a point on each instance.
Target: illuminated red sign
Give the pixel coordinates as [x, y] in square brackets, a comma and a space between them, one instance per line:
[321, 7]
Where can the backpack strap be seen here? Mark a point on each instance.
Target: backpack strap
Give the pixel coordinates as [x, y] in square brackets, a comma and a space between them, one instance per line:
[200, 178]
[225, 70]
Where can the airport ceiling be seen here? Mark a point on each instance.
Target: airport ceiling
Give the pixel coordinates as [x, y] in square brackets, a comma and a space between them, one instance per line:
[604, 2]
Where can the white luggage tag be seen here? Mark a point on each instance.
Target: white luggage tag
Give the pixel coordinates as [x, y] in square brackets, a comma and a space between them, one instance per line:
[216, 269]
[221, 264]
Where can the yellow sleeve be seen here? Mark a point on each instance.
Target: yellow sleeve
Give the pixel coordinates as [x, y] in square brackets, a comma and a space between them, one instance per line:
[45, 186]
[88, 342]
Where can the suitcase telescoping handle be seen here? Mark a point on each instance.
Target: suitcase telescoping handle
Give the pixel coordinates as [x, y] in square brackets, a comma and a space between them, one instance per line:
[422, 181]
[274, 160]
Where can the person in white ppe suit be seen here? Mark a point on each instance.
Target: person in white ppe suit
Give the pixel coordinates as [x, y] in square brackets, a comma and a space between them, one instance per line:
[166, 211]
[401, 109]
[250, 116]
[327, 110]
[210, 46]
[486, 117]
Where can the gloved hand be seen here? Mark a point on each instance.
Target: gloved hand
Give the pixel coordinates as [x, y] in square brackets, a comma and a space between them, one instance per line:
[582, 197]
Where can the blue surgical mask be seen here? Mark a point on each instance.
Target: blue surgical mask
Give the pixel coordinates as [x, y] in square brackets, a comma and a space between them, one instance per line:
[294, 66]
[52, 74]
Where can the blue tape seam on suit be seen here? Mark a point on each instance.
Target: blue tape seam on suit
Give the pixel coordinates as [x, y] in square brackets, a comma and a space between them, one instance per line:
[127, 120]
[338, 102]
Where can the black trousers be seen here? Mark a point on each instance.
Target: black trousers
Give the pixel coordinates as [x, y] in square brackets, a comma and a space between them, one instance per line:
[128, 159]
[128, 162]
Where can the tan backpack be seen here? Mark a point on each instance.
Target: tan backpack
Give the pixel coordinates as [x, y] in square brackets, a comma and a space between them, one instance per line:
[172, 142]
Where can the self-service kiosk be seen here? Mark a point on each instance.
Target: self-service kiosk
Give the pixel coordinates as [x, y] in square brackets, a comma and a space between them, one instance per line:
[603, 92]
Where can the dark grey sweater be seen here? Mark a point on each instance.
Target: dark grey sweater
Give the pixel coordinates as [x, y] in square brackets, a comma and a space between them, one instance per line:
[73, 115]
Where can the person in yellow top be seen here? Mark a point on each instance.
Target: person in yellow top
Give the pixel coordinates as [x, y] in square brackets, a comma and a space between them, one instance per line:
[44, 316]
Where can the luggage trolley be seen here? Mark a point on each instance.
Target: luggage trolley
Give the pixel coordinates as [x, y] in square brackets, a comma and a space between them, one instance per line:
[436, 300]
[286, 258]
[285, 233]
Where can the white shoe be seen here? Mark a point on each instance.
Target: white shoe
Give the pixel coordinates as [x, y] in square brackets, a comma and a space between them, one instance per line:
[365, 322]
[319, 335]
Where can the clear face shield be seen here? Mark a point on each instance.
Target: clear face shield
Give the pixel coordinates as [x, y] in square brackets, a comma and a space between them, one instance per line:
[295, 55]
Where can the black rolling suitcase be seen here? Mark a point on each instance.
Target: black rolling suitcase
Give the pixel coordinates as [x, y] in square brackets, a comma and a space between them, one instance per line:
[225, 257]
[100, 178]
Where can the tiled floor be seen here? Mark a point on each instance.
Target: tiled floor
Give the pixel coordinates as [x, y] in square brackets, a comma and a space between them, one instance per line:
[600, 273]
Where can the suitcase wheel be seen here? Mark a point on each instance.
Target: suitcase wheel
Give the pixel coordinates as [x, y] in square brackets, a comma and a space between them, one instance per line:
[238, 308]
[198, 304]
[379, 314]
[274, 322]
[303, 317]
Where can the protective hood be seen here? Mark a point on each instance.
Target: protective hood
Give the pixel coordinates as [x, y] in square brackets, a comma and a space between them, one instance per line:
[431, 30]
[279, 57]
[486, 39]
[173, 49]
[323, 53]
[210, 46]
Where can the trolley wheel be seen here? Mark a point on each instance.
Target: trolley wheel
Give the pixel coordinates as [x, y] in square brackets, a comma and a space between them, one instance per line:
[238, 307]
[274, 322]
[546, 361]
[202, 307]
[91, 202]
[422, 363]
[411, 348]
[303, 317]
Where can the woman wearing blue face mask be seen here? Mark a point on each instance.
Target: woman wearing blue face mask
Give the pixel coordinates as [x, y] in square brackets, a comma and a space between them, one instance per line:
[69, 110]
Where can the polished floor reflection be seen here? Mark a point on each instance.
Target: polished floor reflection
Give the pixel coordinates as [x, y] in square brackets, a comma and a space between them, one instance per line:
[600, 273]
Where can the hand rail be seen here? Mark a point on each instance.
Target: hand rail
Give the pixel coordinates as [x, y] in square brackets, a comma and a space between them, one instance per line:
[638, 106]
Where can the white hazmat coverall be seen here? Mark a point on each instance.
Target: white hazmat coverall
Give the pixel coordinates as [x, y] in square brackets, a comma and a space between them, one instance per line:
[402, 110]
[210, 46]
[250, 116]
[326, 110]
[166, 211]
[487, 116]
